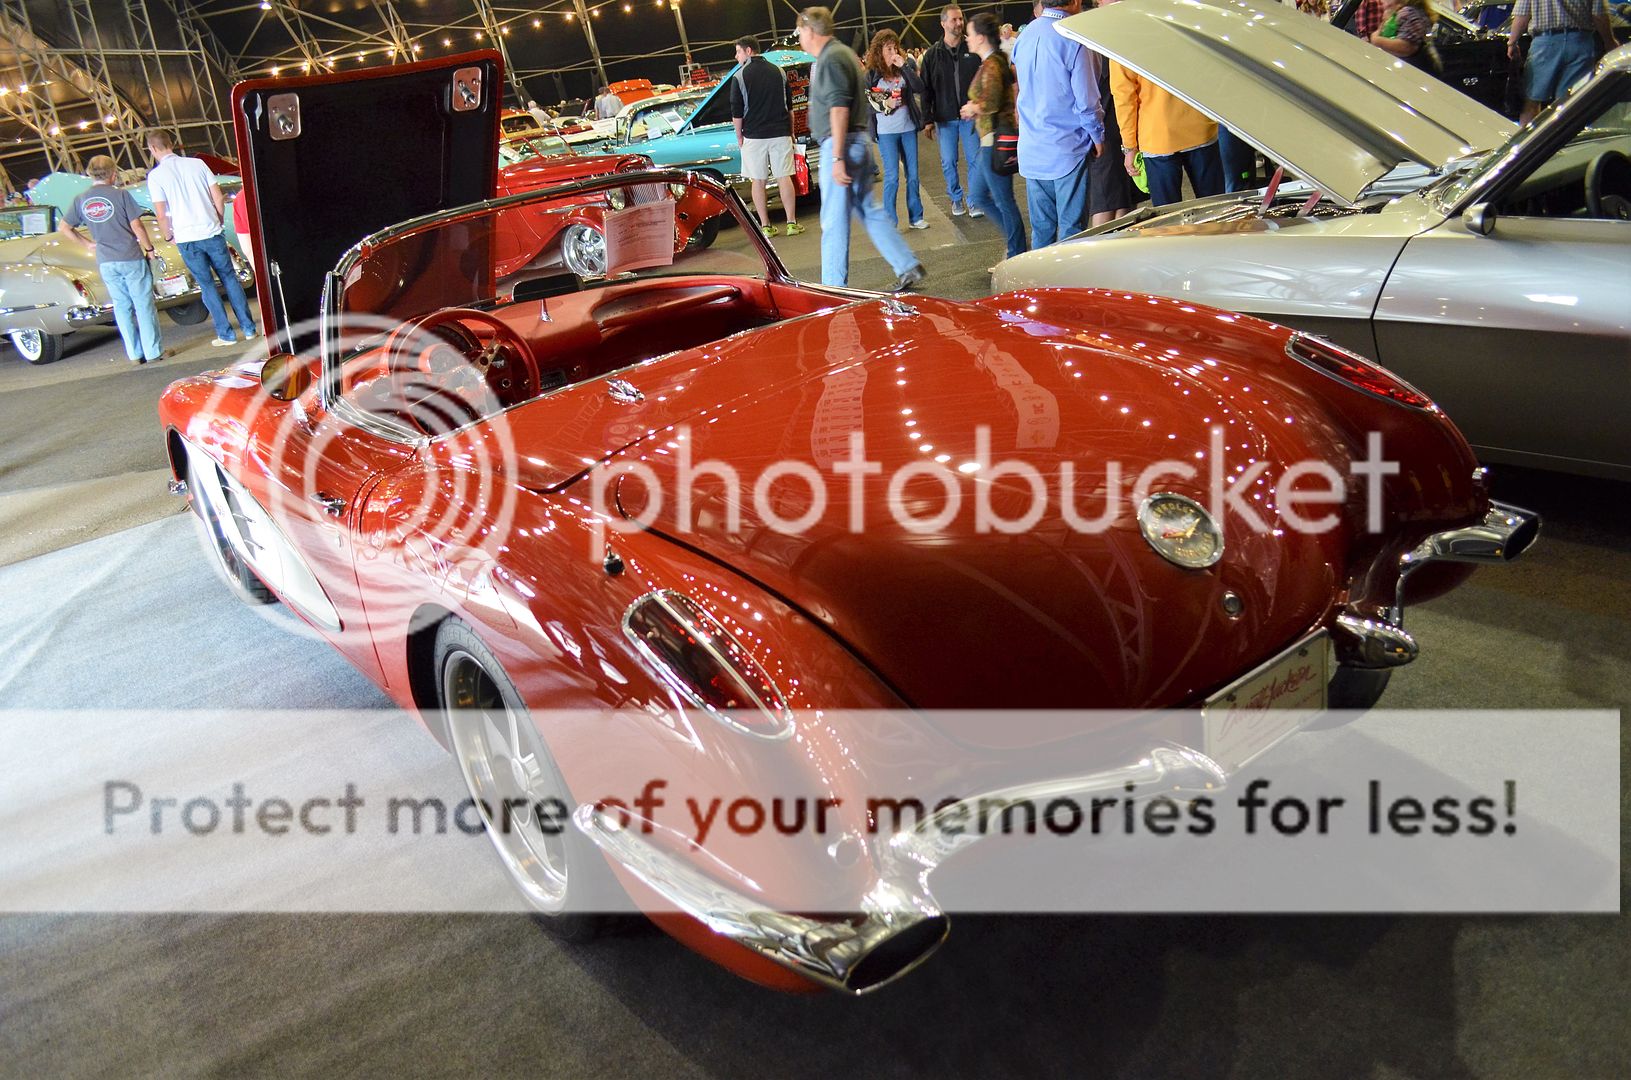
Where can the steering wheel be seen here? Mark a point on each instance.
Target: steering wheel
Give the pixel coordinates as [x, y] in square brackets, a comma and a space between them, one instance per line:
[1608, 186]
[443, 342]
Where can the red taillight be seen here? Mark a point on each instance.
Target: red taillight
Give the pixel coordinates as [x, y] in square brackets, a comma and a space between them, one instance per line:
[698, 657]
[1355, 370]
[79, 286]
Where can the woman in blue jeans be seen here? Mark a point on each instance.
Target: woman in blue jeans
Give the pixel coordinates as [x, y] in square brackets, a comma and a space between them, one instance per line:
[991, 106]
[896, 91]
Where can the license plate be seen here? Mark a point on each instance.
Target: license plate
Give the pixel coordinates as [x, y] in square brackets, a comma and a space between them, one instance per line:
[172, 286]
[1264, 706]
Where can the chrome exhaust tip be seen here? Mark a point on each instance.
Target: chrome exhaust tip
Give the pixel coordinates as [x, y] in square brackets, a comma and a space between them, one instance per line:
[1371, 643]
[1505, 533]
[178, 487]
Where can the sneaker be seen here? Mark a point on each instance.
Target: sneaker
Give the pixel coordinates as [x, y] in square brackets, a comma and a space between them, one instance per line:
[221, 342]
[973, 213]
[909, 280]
[154, 359]
[957, 209]
[251, 332]
[136, 361]
[919, 225]
[768, 230]
[794, 228]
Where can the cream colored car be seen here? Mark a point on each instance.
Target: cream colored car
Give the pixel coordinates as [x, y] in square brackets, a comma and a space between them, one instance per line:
[50, 287]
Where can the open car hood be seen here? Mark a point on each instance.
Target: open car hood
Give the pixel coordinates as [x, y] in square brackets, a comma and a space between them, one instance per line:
[330, 159]
[1335, 110]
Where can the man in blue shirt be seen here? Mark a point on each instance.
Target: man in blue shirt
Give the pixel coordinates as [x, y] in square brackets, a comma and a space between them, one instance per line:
[1061, 123]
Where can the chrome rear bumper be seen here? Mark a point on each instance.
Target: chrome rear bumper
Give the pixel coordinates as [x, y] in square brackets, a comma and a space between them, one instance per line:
[899, 923]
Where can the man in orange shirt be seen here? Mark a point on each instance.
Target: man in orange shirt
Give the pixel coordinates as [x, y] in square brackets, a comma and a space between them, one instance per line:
[1173, 136]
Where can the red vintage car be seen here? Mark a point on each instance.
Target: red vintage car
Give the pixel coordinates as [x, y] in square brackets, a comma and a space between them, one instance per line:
[458, 478]
[545, 236]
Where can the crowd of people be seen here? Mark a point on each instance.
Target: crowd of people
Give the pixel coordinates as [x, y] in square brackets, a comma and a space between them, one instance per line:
[1077, 129]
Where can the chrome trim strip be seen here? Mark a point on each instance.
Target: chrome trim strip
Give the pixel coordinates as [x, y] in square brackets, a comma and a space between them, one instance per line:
[26, 307]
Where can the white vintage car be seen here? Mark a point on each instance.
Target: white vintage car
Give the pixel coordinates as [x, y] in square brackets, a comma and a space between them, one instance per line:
[50, 287]
[1489, 266]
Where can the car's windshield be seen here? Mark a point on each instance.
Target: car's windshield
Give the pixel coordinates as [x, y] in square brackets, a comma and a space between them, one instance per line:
[27, 221]
[661, 119]
[1607, 125]
[526, 147]
[563, 280]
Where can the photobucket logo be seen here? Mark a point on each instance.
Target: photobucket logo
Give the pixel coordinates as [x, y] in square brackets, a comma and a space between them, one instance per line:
[999, 497]
[294, 505]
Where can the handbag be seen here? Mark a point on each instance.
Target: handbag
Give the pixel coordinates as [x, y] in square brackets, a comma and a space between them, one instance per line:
[1005, 148]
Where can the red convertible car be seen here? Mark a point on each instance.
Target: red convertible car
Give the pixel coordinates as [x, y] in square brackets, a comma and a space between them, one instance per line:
[534, 236]
[457, 476]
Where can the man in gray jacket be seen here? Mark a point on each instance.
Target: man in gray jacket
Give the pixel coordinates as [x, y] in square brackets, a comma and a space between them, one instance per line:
[840, 119]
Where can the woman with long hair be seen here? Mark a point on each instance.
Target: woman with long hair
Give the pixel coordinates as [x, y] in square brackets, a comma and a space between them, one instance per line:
[895, 93]
[991, 106]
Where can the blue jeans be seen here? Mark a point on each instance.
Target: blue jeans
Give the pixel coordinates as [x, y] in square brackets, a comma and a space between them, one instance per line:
[952, 134]
[202, 256]
[1058, 207]
[1239, 161]
[1166, 174]
[1556, 61]
[130, 288]
[997, 202]
[838, 203]
[895, 149]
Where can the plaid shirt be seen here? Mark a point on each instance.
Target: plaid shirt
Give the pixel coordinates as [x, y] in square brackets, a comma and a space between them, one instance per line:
[1367, 20]
[1560, 14]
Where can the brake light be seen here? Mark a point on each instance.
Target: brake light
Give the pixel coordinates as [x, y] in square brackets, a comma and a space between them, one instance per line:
[697, 656]
[79, 287]
[1355, 370]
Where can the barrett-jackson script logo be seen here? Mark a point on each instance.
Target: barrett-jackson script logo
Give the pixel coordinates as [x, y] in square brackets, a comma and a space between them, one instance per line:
[97, 209]
[1280, 693]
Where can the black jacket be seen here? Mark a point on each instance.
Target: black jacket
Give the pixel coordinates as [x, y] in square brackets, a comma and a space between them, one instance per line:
[765, 112]
[946, 75]
[912, 96]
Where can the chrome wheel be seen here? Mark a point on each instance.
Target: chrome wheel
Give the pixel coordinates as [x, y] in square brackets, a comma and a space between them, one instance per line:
[511, 776]
[36, 346]
[583, 250]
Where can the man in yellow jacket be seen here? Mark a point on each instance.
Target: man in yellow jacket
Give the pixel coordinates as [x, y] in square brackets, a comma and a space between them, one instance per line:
[1172, 135]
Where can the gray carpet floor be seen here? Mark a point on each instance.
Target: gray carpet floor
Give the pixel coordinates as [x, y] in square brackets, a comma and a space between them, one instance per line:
[134, 619]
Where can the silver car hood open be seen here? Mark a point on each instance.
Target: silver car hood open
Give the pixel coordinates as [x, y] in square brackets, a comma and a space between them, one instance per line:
[1337, 111]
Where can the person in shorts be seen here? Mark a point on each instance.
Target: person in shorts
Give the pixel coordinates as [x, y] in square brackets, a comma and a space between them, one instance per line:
[120, 241]
[762, 107]
[1561, 50]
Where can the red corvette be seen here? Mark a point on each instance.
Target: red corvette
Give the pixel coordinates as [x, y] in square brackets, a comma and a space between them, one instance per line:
[545, 236]
[474, 487]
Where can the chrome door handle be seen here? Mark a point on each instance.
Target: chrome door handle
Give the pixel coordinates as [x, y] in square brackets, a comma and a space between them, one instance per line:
[332, 505]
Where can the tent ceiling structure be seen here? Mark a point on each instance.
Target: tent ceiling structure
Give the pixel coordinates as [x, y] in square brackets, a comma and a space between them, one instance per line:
[172, 62]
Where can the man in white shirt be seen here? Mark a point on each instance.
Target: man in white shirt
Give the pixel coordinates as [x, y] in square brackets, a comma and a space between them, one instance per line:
[190, 207]
[608, 104]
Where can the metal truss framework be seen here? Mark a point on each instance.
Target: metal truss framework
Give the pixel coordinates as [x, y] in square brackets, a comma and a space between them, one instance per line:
[187, 87]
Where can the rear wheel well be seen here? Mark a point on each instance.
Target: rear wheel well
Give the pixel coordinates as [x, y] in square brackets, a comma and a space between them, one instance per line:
[422, 668]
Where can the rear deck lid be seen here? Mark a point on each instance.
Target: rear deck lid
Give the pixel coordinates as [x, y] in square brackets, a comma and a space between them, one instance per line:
[1335, 110]
[329, 159]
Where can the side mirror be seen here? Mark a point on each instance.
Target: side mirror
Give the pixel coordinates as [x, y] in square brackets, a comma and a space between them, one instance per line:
[284, 377]
[1479, 219]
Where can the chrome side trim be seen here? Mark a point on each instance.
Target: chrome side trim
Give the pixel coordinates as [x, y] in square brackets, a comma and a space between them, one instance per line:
[4, 311]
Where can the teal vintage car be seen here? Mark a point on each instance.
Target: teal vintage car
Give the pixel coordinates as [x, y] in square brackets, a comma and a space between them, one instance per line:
[691, 130]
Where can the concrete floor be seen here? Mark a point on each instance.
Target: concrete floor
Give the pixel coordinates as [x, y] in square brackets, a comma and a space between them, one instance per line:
[134, 619]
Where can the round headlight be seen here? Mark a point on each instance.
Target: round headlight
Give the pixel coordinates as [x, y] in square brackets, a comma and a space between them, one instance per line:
[1181, 531]
[617, 198]
[678, 190]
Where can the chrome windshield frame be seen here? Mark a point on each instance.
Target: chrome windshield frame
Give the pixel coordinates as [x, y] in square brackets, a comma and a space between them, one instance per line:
[334, 280]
